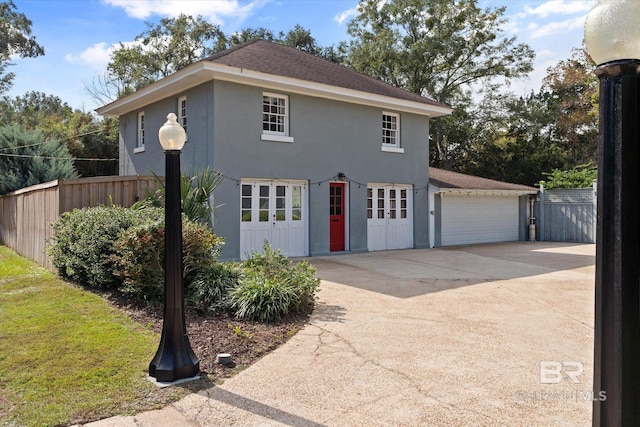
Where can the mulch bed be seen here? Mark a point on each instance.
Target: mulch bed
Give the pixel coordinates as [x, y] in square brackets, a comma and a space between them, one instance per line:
[211, 334]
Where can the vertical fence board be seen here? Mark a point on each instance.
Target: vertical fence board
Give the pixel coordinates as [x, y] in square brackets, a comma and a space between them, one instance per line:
[26, 215]
[567, 215]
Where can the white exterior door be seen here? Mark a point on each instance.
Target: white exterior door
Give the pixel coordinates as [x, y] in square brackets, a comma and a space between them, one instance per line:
[468, 219]
[389, 217]
[273, 211]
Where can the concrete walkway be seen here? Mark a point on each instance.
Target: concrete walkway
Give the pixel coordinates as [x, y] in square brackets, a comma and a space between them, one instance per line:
[438, 337]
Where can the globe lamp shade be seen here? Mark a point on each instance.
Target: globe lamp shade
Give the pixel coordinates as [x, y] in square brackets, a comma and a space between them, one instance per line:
[612, 31]
[171, 134]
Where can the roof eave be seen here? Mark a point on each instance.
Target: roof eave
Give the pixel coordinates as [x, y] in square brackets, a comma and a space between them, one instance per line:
[484, 192]
[203, 71]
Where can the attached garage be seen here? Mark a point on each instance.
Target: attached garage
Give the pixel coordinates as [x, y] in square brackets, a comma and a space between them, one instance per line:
[466, 209]
[476, 219]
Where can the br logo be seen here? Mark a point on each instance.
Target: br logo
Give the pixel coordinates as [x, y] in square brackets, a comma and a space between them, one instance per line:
[552, 372]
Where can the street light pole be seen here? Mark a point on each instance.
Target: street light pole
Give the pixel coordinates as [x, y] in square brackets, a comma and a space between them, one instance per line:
[612, 36]
[175, 358]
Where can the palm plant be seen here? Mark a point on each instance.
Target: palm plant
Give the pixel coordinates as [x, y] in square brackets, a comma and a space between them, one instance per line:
[195, 190]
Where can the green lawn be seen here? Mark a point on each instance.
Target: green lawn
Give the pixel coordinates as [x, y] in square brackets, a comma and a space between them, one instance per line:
[65, 354]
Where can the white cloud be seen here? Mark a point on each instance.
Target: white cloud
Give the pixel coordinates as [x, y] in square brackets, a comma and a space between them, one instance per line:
[214, 11]
[96, 56]
[560, 7]
[345, 15]
[559, 27]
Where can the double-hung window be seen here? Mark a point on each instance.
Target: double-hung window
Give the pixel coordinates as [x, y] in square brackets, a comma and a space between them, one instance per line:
[140, 136]
[182, 114]
[391, 132]
[275, 118]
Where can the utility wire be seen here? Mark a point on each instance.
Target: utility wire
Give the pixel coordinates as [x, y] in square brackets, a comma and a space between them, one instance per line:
[25, 156]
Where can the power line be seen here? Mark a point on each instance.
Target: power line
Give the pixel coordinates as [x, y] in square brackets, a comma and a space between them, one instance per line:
[56, 158]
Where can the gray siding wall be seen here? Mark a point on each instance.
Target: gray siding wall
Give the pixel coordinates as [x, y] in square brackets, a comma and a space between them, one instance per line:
[197, 152]
[329, 137]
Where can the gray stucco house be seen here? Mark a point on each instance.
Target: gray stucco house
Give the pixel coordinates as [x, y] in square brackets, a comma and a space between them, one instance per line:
[318, 157]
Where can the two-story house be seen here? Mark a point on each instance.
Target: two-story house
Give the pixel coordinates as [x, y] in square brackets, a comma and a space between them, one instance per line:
[318, 157]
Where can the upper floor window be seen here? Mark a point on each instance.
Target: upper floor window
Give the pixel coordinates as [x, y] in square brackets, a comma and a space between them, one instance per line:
[275, 118]
[182, 114]
[391, 132]
[140, 137]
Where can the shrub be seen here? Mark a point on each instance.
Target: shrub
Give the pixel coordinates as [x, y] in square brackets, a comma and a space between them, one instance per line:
[273, 287]
[211, 290]
[196, 188]
[82, 242]
[139, 258]
[263, 298]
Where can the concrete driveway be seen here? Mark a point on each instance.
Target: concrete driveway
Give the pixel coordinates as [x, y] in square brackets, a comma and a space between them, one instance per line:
[436, 337]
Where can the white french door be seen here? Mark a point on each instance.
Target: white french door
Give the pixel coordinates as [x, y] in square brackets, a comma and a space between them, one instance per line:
[274, 211]
[389, 217]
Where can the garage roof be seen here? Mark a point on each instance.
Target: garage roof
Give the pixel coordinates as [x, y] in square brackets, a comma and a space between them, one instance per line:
[454, 182]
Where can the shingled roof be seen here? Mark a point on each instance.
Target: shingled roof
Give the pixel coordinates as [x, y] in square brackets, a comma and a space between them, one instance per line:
[453, 180]
[273, 58]
[274, 66]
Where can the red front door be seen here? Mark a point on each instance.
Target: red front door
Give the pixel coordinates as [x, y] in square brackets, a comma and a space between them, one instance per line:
[336, 216]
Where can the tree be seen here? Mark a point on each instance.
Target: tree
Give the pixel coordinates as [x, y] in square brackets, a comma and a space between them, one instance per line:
[156, 53]
[248, 34]
[571, 89]
[85, 135]
[581, 176]
[177, 42]
[443, 49]
[26, 158]
[300, 38]
[518, 144]
[33, 110]
[15, 40]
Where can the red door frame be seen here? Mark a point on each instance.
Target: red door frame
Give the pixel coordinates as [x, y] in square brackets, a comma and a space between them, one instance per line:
[337, 234]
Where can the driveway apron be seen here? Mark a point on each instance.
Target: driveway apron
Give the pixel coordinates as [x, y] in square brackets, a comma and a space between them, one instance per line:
[480, 335]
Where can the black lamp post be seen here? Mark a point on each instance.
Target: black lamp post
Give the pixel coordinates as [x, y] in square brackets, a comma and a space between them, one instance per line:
[612, 36]
[174, 359]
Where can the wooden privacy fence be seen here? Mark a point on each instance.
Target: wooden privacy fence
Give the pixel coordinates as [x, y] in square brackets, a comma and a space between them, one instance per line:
[26, 215]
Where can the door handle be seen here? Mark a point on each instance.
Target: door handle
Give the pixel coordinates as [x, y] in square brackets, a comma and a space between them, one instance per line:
[335, 220]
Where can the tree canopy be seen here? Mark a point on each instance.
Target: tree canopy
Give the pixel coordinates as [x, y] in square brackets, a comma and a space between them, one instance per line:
[174, 43]
[443, 49]
[83, 134]
[27, 158]
[15, 40]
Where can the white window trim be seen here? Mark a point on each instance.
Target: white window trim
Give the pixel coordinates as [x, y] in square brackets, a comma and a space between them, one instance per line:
[139, 148]
[180, 116]
[278, 136]
[393, 148]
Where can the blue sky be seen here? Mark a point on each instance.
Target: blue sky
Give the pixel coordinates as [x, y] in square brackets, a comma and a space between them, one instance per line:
[78, 35]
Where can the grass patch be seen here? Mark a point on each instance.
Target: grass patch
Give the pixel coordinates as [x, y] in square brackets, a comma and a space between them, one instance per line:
[66, 355]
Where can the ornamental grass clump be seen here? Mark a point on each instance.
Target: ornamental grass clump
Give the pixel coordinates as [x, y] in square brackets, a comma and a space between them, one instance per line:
[273, 286]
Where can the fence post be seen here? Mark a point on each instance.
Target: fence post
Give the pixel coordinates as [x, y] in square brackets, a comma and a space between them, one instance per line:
[595, 210]
[541, 213]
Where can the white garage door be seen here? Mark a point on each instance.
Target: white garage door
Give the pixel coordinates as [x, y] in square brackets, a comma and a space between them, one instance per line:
[276, 212]
[389, 217]
[468, 219]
